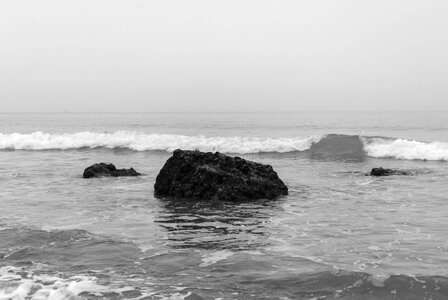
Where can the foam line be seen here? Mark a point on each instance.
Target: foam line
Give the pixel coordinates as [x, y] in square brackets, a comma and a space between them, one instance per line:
[145, 142]
[333, 144]
[405, 149]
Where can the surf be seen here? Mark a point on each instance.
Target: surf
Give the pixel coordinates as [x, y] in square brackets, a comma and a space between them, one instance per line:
[340, 145]
[150, 142]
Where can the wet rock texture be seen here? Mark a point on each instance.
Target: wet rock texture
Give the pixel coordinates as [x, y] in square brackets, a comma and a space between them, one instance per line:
[387, 172]
[107, 170]
[215, 176]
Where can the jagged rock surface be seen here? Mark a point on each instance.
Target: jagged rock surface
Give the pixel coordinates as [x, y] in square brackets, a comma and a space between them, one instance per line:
[105, 170]
[215, 176]
[387, 172]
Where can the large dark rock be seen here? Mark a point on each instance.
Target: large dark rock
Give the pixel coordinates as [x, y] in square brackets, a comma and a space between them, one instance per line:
[387, 172]
[104, 170]
[215, 176]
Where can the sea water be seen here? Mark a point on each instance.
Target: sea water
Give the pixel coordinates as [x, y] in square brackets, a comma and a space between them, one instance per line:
[339, 234]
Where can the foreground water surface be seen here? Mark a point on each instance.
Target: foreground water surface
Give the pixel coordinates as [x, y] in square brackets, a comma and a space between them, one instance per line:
[338, 234]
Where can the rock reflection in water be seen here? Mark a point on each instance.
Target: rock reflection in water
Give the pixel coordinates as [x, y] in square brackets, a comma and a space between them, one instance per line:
[215, 225]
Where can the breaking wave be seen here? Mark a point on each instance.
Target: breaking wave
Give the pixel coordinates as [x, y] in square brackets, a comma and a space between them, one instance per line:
[145, 142]
[331, 144]
[405, 149]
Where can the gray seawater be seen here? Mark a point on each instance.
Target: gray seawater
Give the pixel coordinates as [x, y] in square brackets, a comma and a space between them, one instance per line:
[338, 234]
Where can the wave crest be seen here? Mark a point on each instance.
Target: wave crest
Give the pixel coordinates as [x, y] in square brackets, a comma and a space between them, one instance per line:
[331, 144]
[405, 149]
[145, 142]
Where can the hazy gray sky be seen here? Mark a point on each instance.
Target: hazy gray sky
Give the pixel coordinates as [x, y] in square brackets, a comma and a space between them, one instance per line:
[113, 55]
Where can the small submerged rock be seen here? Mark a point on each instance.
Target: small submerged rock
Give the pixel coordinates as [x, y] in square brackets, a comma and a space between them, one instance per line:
[387, 172]
[215, 176]
[107, 170]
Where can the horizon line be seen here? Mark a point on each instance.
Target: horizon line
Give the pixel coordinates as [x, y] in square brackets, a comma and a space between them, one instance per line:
[214, 112]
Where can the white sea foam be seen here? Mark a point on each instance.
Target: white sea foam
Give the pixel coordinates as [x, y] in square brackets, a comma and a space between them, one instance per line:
[405, 149]
[210, 259]
[137, 141]
[378, 280]
[144, 142]
[13, 286]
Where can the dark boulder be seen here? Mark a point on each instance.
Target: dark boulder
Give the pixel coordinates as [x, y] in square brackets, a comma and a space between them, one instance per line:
[105, 170]
[215, 176]
[387, 172]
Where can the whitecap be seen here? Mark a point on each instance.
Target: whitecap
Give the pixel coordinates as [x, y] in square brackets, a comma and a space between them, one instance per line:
[405, 149]
[145, 142]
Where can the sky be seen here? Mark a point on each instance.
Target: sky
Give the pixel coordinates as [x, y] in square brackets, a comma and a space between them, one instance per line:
[207, 55]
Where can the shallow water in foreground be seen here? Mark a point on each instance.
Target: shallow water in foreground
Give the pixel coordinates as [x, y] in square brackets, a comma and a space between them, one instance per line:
[338, 235]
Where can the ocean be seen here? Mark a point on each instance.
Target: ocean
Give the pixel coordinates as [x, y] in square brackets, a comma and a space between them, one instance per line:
[339, 234]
